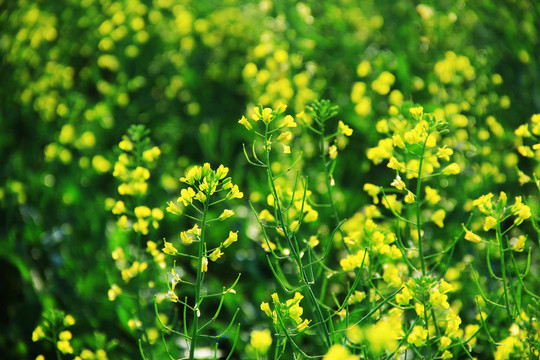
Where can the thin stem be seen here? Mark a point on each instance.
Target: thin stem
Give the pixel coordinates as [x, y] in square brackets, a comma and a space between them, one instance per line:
[198, 285]
[503, 267]
[296, 255]
[418, 217]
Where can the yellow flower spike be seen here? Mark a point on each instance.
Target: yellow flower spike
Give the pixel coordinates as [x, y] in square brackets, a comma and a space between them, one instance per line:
[216, 254]
[173, 208]
[244, 121]
[398, 183]
[169, 248]
[344, 129]
[451, 169]
[233, 236]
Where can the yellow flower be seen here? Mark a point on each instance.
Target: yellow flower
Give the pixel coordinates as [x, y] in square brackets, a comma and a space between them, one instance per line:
[38, 333]
[125, 144]
[489, 223]
[119, 208]
[265, 115]
[295, 310]
[403, 297]
[64, 346]
[285, 136]
[518, 243]
[233, 236]
[417, 336]
[204, 265]
[261, 340]
[113, 292]
[339, 352]
[354, 260]
[432, 196]
[397, 140]
[472, 237]
[398, 183]
[444, 153]
[409, 198]
[372, 191]
[286, 149]
[244, 121]
[142, 212]
[438, 217]
[417, 111]
[169, 248]
[216, 254]
[332, 152]
[303, 325]
[288, 121]
[344, 129]
[451, 169]
[69, 320]
[226, 214]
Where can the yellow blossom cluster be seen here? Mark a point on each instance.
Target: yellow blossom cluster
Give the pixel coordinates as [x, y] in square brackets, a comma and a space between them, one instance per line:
[285, 311]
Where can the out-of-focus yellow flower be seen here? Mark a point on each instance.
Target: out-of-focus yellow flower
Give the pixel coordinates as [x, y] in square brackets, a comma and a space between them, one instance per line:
[261, 340]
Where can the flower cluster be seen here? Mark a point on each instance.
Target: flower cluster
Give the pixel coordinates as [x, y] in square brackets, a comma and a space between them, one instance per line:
[204, 185]
[285, 312]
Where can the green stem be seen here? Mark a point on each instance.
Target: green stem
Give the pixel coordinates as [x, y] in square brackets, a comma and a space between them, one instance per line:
[418, 218]
[503, 267]
[198, 285]
[296, 255]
